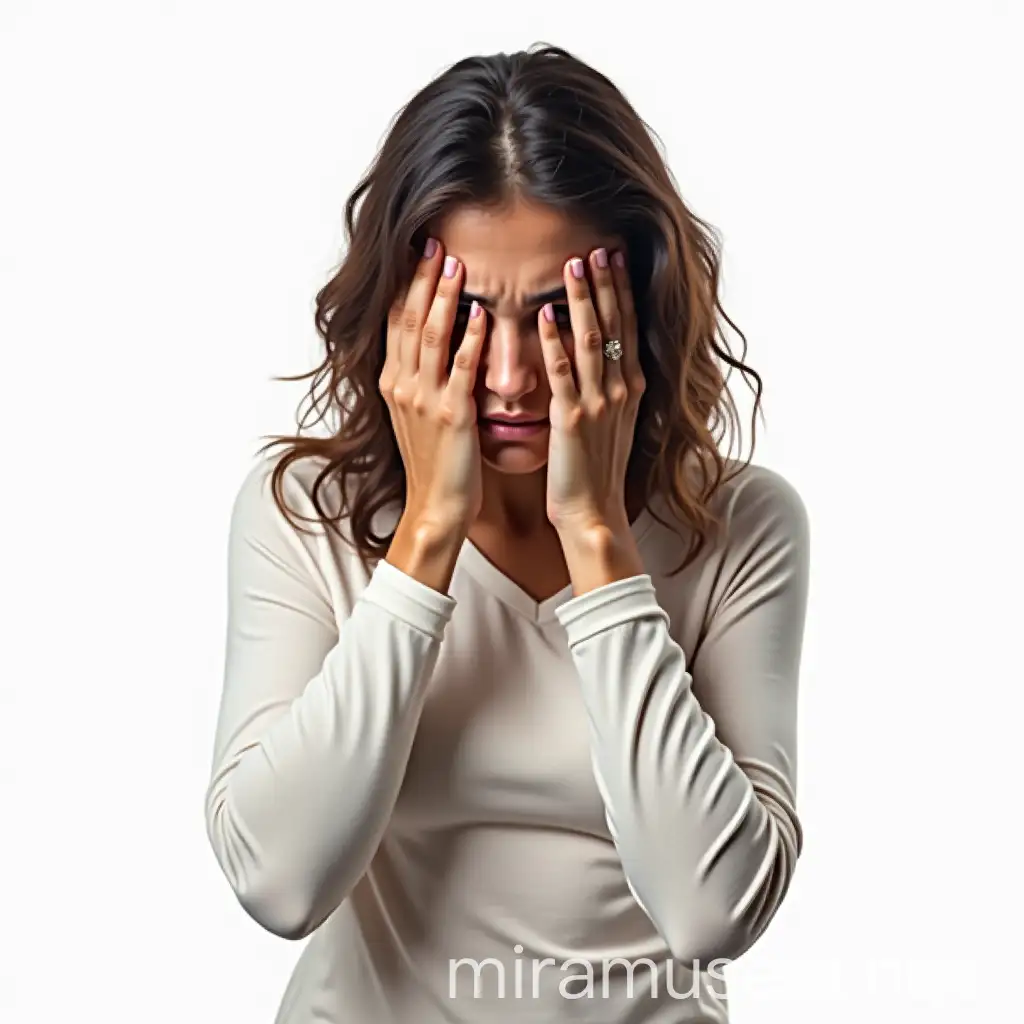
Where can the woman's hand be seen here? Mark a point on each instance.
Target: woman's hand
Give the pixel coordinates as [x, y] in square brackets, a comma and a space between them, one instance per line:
[592, 425]
[433, 412]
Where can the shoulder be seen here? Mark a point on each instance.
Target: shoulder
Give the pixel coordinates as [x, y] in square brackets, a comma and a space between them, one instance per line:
[766, 525]
[751, 500]
[300, 501]
[297, 502]
[756, 507]
[758, 499]
[268, 478]
[289, 525]
[762, 526]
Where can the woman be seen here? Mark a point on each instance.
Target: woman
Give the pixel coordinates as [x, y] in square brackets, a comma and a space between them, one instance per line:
[509, 715]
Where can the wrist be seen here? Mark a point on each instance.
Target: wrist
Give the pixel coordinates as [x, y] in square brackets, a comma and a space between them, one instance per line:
[427, 550]
[599, 555]
[594, 536]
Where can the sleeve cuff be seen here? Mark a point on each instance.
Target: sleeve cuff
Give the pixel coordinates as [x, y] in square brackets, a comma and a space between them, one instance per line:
[609, 606]
[408, 599]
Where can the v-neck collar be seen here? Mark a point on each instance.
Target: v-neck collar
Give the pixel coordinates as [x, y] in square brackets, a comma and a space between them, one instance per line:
[488, 575]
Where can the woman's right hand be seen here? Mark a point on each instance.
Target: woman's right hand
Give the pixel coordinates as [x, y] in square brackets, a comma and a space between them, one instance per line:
[433, 410]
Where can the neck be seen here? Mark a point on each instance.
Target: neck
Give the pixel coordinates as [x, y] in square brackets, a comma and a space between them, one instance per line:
[515, 505]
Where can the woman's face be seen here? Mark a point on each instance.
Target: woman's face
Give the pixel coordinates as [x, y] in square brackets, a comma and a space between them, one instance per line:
[514, 260]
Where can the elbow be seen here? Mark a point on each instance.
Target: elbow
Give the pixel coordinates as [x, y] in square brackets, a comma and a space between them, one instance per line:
[276, 910]
[720, 928]
[279, 907]
[724, 932]
[704, 948]
[270, 895]
[700, 935]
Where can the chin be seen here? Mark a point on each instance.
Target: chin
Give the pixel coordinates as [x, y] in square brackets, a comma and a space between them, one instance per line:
[515, 459]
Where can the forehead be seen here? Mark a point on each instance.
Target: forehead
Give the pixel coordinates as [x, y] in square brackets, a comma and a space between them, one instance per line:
[520, 246]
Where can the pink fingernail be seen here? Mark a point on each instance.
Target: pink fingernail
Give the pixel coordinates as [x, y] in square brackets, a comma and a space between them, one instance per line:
[430, 248]
[549, 313]
[619, 260]
[601, 258]
[474, 310]
[577, 268]
[450, 266]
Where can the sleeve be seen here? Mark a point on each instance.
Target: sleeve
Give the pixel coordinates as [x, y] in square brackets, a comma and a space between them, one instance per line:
[697, 764]
[316, 719]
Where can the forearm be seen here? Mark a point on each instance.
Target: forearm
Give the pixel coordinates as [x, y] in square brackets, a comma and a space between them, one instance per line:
[708, 847]
[296, 816]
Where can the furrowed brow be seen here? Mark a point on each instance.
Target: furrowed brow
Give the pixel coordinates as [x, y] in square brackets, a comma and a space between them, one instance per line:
[532, 301]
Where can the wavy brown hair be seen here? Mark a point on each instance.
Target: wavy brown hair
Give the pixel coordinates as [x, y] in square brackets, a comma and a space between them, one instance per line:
[541, 125]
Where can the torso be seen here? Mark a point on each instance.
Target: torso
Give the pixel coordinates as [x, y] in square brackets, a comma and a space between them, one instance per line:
[499, 845]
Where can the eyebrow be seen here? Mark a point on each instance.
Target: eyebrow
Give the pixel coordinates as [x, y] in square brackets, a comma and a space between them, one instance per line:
[538, 299]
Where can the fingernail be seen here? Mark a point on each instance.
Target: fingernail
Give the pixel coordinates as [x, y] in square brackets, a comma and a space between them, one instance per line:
[474, 310]
[619, 260]
[601, 258]
[549, 313]
[430, 248]
[450, 266]
[576, 265]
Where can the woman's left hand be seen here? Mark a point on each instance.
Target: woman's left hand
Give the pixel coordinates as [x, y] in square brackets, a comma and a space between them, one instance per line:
[592, 424]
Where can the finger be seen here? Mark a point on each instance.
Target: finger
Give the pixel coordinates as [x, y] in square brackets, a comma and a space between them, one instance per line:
[417, 307]
[607, 301]
[466, 365]
[630, 362]
[586, 330]
[556, 360]
[393, 338]
[435, 337]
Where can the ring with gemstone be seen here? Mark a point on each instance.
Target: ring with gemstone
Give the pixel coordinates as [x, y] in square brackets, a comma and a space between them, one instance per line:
[613, 349]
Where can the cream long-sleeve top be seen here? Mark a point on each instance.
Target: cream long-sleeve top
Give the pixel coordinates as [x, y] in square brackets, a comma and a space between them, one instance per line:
[480, 807]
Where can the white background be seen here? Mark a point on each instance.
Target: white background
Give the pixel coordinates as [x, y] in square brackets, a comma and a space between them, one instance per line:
[171, 185]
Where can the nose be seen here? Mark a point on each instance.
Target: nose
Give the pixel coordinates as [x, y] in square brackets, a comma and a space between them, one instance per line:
[510, 358]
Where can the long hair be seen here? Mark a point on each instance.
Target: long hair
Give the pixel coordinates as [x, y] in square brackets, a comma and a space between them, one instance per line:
[544, 126]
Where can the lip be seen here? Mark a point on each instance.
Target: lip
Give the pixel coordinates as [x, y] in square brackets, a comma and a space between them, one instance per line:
[522, 418]
[512, 430]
